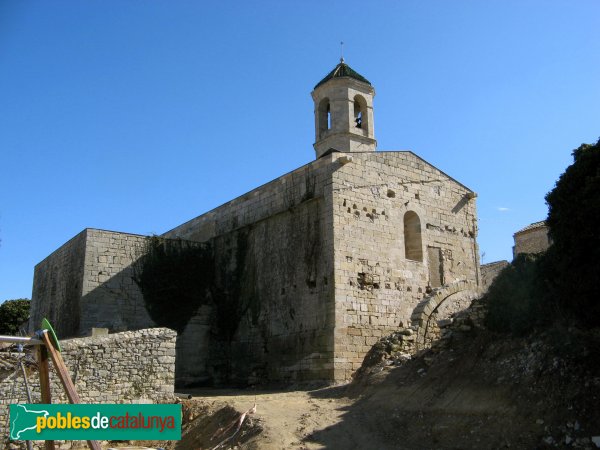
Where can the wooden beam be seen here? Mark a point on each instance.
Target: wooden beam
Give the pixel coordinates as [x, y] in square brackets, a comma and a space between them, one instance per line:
[65, 378]
[61, 369]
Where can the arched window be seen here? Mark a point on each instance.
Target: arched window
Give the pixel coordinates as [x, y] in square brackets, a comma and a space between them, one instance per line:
[360, 112]
[324, 114]
[413, 245]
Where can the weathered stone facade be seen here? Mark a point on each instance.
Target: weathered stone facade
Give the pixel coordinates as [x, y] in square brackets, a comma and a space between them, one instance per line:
[401, 226]
[325, 259]
[117, 368]
[533, 238]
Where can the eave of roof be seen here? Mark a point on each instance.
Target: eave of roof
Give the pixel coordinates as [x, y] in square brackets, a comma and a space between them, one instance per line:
[532, 226]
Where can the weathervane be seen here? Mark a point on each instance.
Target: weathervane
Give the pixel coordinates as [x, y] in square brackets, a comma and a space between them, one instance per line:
[342, 52]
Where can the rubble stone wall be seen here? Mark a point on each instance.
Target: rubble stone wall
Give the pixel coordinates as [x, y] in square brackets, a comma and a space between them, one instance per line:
[115, 368]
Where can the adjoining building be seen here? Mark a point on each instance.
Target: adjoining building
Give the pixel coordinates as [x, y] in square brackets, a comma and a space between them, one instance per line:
[321, 261]
[533, 238]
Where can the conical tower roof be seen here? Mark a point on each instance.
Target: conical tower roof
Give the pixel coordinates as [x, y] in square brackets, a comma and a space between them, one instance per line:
[343, 70]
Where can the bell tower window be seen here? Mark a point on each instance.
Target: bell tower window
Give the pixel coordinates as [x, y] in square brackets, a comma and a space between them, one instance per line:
[360, 112]
[324, 116]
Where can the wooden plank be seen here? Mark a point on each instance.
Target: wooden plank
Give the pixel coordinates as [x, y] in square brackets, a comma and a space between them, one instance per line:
[65, 378]
[45, 384]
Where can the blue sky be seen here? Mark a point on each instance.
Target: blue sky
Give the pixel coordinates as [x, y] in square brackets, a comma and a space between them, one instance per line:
[139, 115]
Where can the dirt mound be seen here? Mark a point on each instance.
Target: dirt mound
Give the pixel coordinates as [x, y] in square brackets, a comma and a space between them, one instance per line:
[480, 390]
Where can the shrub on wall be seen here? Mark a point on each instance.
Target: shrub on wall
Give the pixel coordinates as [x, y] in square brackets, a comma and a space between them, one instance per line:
[176, 277]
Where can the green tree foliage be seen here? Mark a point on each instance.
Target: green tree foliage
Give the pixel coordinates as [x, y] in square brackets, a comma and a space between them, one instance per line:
[574, 219]
[12, 314]
[512, 302]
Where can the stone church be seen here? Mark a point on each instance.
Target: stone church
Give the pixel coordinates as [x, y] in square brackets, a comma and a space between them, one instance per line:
[328, 258]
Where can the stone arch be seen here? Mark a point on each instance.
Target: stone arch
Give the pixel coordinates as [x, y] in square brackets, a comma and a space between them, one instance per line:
[413, 240]
[424, 311]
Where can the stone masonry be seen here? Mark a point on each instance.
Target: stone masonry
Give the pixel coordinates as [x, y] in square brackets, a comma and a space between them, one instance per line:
[119, 368]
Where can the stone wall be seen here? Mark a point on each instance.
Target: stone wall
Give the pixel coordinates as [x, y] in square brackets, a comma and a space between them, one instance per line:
[272, 251]
[57, 287]
[116, 368]
[489, 272]
[110, 298]
[88, 283]
[378, 280]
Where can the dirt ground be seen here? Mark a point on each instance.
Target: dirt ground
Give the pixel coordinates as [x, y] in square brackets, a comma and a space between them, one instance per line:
[288, 418]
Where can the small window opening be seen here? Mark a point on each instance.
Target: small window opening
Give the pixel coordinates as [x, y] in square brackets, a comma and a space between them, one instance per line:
[413, 244]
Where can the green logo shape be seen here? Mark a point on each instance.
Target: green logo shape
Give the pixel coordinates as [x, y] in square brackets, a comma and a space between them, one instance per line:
[95, 422]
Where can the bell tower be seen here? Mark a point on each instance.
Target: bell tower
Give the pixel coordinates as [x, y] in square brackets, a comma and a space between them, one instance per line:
[343, 112]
